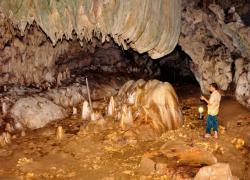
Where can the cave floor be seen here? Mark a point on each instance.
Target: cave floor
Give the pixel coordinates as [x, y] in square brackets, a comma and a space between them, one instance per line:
[105, 151]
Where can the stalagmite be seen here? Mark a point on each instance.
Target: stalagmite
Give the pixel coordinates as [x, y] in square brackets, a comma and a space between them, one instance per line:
[59, 133]
[9, 128]
[4, 108]
[126, 116]
[156, 101]
[85, 111]
[23, 133]
[111, 106]
[59, 79]
[95, 116]
[74, 111]
[6, 138]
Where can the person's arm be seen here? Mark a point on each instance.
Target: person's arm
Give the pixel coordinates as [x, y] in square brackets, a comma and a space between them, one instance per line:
[206, 100]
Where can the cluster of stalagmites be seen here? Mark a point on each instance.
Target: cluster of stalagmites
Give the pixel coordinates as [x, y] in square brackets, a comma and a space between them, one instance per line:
[153, 104]
[136, 24]
[219, 48]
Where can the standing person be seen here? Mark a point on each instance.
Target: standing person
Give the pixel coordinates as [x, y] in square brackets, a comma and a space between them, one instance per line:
[213, 105]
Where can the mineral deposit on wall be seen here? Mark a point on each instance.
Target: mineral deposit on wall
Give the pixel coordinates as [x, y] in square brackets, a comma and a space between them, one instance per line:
[137, 24]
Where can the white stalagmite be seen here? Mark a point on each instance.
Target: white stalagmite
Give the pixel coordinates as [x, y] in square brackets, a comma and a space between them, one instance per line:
[59, 79]
[6, 138]
[95, 116]
[111, 106]
[126, 116]
[85, 110]
[4, 108]
[74, 111]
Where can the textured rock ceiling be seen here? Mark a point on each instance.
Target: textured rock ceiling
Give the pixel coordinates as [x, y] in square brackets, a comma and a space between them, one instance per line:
[151, 26]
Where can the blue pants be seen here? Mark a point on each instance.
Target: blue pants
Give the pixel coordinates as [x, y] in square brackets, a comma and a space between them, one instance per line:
[212, 122]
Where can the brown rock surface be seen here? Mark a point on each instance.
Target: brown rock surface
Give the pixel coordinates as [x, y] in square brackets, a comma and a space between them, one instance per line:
[215, 45]
[217, 171]
[152, 102]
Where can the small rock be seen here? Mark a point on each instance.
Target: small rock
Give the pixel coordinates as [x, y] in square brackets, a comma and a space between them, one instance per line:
[238, 143]
[161, 168]
[147, 165]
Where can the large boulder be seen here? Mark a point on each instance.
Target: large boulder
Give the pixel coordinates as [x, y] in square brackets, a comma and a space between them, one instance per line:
[36, 112]
[220, 171]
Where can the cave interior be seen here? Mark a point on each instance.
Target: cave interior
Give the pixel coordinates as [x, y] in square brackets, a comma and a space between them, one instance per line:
[106, 90]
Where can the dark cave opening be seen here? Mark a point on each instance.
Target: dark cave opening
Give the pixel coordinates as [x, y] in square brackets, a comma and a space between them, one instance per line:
[175, 68]
[109, 58]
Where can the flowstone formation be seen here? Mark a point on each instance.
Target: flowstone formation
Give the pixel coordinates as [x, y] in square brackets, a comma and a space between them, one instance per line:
[217, 41]
[130, 23]
[152, 103]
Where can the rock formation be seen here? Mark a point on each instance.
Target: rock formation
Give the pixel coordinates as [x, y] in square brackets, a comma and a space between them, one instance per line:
[153, 102]
[130, 23]
[36, 112]
[40, 42]
[216, 171]
[219, 49]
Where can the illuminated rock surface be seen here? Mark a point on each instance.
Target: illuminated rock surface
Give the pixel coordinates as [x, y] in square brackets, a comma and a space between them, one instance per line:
[152, 102]
[137, 24]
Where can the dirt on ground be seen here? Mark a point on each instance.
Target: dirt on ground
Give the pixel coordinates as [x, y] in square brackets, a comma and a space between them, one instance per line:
[104, 150]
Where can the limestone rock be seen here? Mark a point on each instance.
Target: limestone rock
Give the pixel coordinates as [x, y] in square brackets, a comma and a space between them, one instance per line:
[220, 171]
[67, 96]
[184, 154]
[35, 112]
[137, 24]
[215, 45]
[242, 81]
[153, 102]
[147, 165]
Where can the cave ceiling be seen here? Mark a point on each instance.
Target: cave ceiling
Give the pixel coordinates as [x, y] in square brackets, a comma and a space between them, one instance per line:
[131, 24]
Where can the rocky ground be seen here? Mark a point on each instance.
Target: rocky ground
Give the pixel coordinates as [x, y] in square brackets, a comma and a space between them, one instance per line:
[104, 150]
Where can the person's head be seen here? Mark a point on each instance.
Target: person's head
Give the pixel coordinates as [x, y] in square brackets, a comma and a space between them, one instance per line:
[213, 87]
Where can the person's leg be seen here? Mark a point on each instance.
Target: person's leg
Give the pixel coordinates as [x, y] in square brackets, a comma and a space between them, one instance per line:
[208, 126]
[215, 126]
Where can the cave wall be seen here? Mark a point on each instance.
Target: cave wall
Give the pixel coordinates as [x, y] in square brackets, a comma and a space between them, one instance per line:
[26, 59]
[31, 59]
[40, 44]
[219, 49]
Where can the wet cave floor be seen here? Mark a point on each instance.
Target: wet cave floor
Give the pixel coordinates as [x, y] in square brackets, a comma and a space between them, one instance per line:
[105, 151]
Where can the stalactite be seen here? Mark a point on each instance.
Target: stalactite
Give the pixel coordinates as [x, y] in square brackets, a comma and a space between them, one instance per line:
[130, 23]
